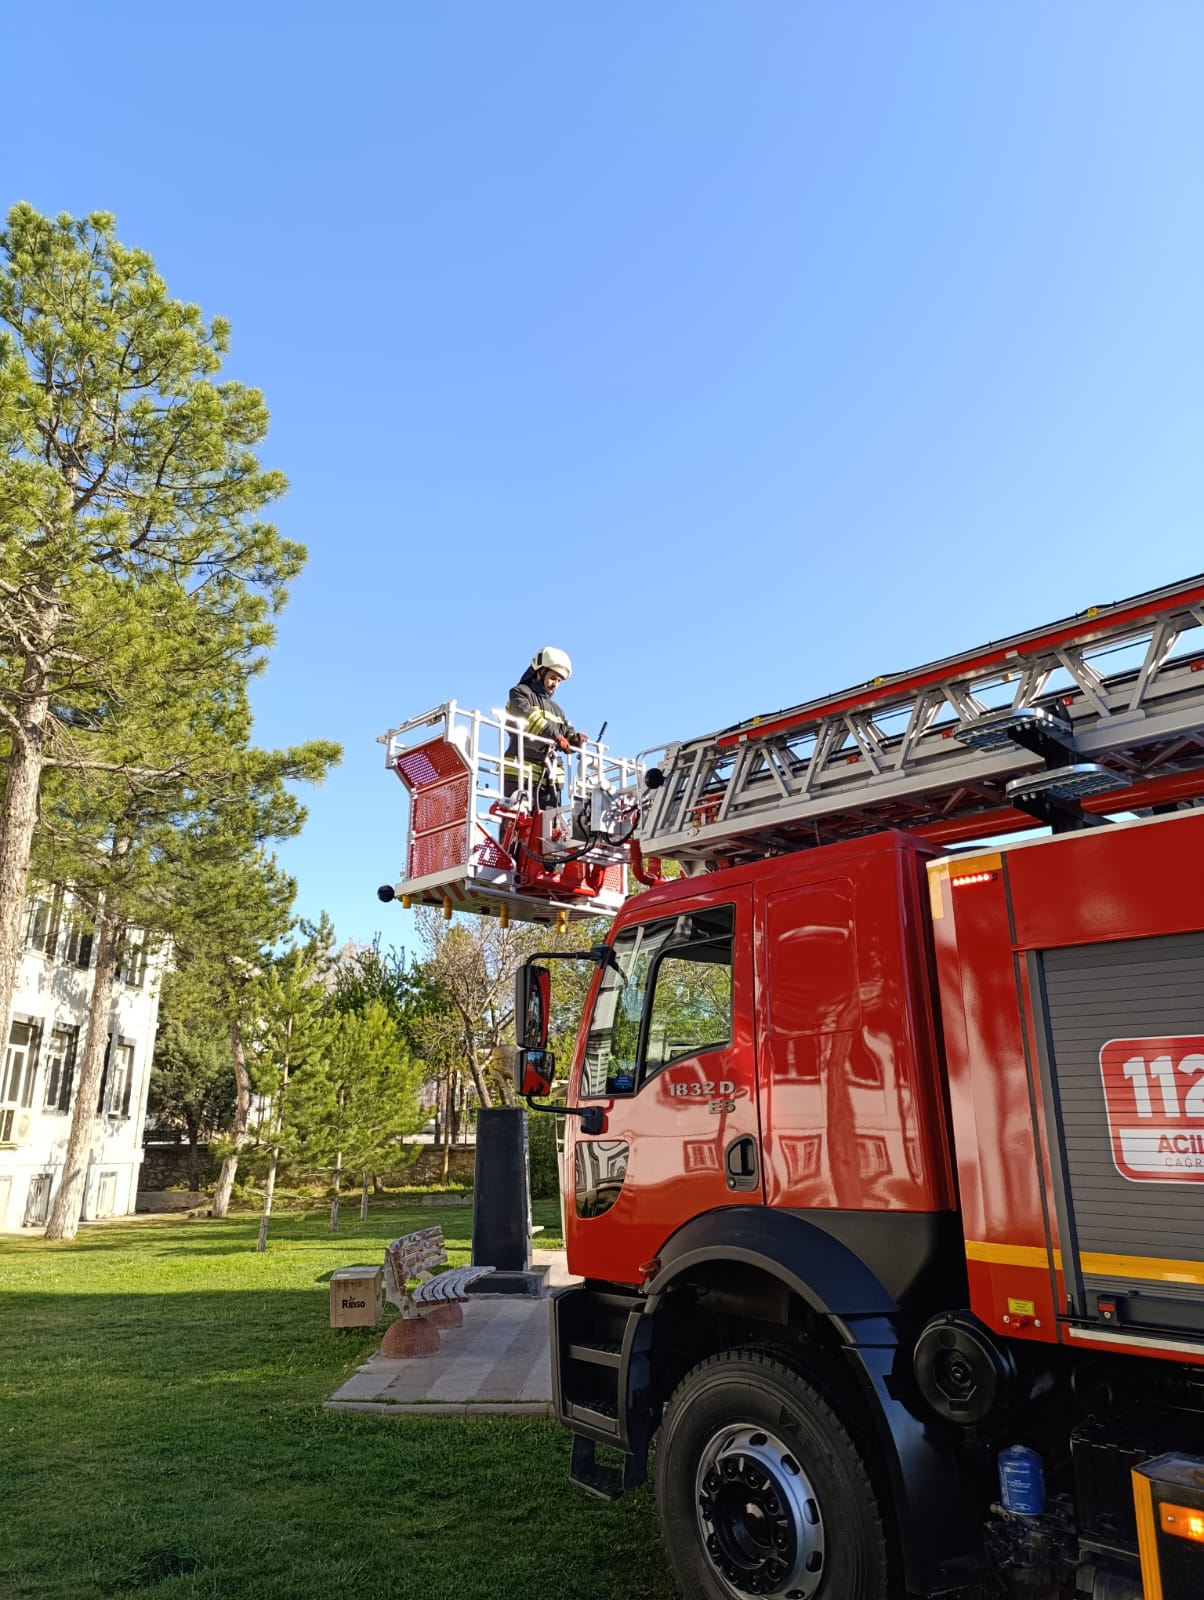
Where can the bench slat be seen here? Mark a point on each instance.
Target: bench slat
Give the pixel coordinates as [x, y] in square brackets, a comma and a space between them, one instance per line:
[413, 1255]
[448, 1286]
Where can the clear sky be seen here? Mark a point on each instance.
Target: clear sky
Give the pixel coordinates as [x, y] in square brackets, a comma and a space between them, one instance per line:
[744, 350]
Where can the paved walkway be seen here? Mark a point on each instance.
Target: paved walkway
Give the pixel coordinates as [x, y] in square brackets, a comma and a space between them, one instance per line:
[499, 1361]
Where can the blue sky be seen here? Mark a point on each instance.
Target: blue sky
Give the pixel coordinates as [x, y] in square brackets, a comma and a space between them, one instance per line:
[746, 351]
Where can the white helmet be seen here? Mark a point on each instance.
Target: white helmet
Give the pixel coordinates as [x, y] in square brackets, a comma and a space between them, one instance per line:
[549, 659]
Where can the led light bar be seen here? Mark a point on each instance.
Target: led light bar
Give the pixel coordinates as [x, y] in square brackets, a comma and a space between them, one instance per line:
[1065, 783]
[995, 729]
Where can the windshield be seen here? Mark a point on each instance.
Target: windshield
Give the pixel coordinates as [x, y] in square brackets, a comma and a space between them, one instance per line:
[687, 959]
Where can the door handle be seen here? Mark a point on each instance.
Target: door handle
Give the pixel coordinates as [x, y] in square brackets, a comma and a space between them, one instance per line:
[740, 1163]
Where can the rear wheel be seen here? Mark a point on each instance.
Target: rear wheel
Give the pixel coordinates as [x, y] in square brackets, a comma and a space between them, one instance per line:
[761, 1491]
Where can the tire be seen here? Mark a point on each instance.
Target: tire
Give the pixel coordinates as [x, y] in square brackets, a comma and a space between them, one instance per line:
[761, 1491]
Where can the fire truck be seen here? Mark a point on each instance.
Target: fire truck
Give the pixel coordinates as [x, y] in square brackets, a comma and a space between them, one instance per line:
[884, 1130]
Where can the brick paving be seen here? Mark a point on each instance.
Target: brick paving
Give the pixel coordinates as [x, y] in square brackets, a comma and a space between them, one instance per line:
[499, 1361]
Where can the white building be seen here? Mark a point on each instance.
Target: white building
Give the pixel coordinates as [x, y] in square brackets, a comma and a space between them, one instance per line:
[39, 1070]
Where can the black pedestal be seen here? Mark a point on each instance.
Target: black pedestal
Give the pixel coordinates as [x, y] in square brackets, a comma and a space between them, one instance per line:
[501, 1205]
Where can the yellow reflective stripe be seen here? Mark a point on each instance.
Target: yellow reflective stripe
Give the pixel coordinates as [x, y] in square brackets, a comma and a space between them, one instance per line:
[536, 720]
[1150, 1269]
[1096, 1263]
[1009, 1255]
[1147, 1537]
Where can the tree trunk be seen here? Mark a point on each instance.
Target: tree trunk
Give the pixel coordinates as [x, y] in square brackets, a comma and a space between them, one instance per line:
[474, 1067]
[505, 1084]
[459, 1108]
[277, 1116]
[242, 1115]
[194, 1160]
[63, 1222]
[334, 1199]
[364, 1199]
[269, 1189]
[378, 1187]
[19, 810]
[449, 1121]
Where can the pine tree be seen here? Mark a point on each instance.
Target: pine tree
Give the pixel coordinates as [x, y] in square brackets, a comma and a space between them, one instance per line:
[290, 1033]
[351, 1108]
[131, 847]
[192, 1080]
[130, 510]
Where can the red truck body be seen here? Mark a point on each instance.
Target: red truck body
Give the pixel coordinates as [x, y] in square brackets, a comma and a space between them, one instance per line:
[884, 1165]
[944, 1165]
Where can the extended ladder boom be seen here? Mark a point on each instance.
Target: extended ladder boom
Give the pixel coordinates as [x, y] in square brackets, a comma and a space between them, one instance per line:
[1107, 703]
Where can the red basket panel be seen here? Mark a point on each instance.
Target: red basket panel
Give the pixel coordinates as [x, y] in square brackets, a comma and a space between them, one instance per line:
[436, 852]
[615, 881]
[429, 763]
[441, 805]
[490, 854]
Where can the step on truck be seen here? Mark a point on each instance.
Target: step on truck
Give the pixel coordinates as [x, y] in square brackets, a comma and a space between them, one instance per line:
[884, 1131]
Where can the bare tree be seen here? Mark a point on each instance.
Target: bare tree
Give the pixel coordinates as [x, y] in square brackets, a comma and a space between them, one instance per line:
[473, 961]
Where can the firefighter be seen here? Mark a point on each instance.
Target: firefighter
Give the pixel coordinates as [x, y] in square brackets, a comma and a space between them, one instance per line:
[546, 729]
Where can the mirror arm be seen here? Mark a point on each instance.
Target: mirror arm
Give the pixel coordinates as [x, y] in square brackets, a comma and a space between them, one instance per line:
[599, 954]
[591, 1116]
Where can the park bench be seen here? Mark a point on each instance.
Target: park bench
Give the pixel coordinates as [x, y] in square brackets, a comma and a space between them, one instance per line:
[435, 1300]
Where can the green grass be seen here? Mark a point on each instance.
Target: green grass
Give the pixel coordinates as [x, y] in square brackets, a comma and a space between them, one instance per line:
[162, 1437]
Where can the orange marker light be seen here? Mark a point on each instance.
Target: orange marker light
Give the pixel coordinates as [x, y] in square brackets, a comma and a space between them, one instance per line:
[1182, 1521]
[973, 877]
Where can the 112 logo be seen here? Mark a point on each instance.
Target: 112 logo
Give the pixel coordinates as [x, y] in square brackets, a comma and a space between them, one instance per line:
[1154, 1090]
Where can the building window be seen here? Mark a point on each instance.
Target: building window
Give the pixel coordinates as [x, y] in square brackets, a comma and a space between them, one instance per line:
[20, 1070]
[118, 1080]
[45, 914]
[106, 1194]
[60, 1067]
[133, 965]
[77, 947]
[37, 1201]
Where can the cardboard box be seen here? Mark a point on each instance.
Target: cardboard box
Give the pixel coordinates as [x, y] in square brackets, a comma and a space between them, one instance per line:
[356, 1297]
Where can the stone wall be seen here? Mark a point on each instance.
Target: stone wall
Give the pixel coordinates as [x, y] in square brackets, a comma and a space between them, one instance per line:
[165, 1166]
[428, 1167]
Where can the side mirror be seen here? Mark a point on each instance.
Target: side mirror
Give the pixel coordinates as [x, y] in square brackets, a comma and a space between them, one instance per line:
[532, 1007]
[534, 1072]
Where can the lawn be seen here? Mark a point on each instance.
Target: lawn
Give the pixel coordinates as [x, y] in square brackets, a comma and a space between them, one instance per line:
[162, 1436]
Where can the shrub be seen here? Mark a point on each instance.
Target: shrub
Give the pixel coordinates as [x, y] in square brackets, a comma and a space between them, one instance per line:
[545, 1162]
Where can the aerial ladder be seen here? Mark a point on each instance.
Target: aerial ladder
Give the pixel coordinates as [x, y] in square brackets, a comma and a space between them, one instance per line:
[1063, 726]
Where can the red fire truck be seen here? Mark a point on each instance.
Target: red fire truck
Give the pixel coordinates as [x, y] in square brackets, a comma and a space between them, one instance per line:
[884, 1156]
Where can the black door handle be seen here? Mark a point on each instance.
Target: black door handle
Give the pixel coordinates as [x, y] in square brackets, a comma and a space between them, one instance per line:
[740, 1163]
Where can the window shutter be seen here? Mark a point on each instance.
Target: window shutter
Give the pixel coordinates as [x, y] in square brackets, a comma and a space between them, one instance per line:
[31, 1065]
[68, 1083]
[104, 1077]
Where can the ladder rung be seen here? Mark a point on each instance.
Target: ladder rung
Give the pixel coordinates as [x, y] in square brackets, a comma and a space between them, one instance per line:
[1119, 689]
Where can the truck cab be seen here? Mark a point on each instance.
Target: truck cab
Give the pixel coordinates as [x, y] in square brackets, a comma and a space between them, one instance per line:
[905, 1148]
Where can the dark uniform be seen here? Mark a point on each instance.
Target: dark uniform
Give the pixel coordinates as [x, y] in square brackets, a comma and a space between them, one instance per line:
[540, 772]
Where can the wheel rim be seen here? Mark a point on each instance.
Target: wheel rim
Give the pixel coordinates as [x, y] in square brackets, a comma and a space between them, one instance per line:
[758, 1515]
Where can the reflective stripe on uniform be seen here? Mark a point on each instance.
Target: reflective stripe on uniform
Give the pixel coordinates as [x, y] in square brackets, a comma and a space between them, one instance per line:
[529, 773]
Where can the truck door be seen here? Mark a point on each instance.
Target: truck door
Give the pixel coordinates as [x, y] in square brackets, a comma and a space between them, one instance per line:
[669, 1053]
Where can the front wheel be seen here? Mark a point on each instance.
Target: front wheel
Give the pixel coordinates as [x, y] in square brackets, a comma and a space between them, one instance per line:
[761, 1491]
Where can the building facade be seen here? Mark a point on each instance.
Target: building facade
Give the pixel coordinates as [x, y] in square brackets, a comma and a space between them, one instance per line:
[39, 1071]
